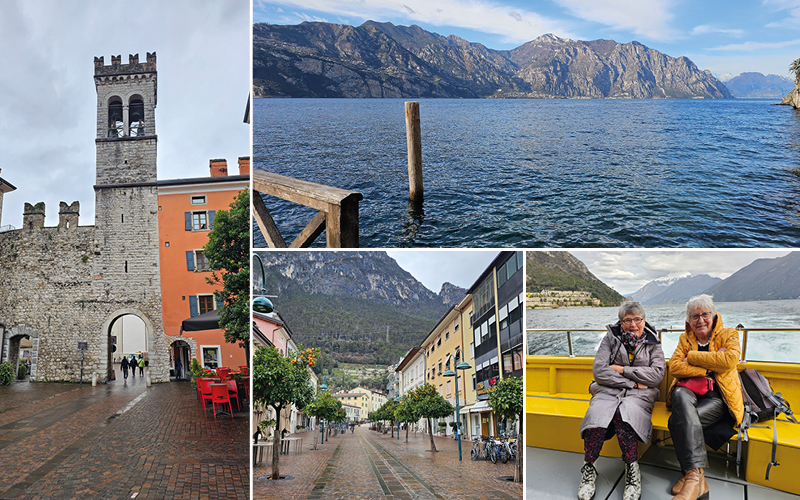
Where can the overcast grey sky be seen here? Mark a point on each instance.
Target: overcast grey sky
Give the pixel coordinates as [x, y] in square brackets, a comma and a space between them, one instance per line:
[626, 271]
[48, 105]
[433, 267]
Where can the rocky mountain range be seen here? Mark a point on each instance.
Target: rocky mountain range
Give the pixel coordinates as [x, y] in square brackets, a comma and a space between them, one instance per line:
[385, 60]
[757, 85]
[679, 291]
[653, 288]
[359, 307]
[764, 279]
[560, 270]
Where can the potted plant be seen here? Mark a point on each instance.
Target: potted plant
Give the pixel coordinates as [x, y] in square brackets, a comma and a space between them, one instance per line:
[442, 428]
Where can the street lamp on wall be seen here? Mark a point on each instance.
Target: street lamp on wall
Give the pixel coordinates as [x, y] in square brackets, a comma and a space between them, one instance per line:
[261, 303]
[450, 373]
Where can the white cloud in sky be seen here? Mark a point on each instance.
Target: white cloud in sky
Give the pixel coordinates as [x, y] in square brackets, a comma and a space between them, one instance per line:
[705, 29]
[433, 267]
[627, 271]
[752, 46]
[512, 24]
[305, 17]
[648, 19]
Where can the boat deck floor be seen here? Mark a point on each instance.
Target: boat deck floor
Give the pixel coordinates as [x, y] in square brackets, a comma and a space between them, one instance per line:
[552, 474]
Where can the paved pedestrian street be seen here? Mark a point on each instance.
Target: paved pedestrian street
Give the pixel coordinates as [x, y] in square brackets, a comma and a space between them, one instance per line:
[369, 465]
[118, 440]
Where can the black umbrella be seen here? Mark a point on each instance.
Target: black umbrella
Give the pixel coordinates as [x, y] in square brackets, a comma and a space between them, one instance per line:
[205, 321]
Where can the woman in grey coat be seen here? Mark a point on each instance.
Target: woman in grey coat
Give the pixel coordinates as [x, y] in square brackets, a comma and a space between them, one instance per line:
[627, 368]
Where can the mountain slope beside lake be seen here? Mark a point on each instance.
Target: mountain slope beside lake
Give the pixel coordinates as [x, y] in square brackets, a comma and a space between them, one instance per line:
[560, 270]
[757, 85]
[764, 279]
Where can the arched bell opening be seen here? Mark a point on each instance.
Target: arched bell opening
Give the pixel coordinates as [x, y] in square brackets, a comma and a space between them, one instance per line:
[115, 118]
[136, 116]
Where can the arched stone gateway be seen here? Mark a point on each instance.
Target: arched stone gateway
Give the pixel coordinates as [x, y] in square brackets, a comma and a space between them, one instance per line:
[156, 347]
[10, 349]
[185, 349]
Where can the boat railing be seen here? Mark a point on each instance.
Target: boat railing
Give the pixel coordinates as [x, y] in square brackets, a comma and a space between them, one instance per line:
[583, 342]
[337, 216]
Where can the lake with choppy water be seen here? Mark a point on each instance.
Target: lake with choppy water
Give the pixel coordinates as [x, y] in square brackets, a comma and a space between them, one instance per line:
[545, 173]
[761, 346]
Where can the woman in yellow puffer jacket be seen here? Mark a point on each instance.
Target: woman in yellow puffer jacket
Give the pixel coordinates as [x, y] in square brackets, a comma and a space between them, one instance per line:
[705, 349]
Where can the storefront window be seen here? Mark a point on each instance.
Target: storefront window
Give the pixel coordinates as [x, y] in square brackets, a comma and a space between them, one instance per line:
[211, 357]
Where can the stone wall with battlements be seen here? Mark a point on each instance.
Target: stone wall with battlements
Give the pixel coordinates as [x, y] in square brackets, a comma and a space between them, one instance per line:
[45, 289]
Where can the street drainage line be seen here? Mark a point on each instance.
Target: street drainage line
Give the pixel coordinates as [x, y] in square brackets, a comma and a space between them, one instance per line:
[379, 448]
[130, 405]
[497, 493]
[327, 475]
[375, 471]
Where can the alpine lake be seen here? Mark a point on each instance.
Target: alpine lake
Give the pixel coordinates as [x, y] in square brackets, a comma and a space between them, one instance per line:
[545, 172]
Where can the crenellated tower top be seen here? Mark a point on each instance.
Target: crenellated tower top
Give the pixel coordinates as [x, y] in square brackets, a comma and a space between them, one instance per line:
[133, 66]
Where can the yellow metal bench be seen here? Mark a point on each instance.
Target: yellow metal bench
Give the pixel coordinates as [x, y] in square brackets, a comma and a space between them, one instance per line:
[554, 410]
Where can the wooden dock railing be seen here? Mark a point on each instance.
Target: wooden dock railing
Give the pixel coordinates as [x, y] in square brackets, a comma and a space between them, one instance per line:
[337, 216]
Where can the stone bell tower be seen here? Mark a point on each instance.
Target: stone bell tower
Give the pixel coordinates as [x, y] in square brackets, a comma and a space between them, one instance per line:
[126, 262]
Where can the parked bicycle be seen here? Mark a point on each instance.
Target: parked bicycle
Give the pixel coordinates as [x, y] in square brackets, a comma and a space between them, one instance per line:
[480, 449]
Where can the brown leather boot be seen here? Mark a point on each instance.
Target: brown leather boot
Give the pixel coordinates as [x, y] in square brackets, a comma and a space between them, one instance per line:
[676, 488]
[694, 487]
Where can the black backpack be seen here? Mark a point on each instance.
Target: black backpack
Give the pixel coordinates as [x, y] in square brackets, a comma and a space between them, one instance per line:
[761, 404]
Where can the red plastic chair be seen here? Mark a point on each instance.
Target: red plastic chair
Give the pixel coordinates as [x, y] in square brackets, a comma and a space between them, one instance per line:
[223, 372]
[246, 385]
[233, 391]
[219, 393]
[199, 386]
[205, 392]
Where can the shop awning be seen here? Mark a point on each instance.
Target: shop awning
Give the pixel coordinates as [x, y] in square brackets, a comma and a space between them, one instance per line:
[464, 409]
[205, 321]
[480, 406]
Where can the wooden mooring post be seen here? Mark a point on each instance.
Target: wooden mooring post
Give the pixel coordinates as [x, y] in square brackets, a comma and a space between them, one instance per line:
[414, 141]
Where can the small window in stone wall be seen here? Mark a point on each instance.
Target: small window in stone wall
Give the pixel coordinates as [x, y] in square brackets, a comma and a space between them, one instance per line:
[199, 199]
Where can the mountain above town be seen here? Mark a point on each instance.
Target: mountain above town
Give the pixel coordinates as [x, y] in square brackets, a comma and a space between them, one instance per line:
[385, 60]
[560, 270]
[360, 306]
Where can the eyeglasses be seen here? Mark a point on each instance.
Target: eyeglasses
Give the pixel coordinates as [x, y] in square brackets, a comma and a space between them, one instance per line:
[628, 321]
[694, 318]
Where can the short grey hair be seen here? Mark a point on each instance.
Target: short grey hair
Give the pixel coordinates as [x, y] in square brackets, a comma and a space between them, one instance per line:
[700, 302]
[630, 308]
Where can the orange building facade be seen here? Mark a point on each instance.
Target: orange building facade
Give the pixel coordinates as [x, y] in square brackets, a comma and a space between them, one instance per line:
[186, 211]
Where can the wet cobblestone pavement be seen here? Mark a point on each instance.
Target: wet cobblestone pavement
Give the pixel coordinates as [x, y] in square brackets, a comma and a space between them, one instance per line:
[367, 465]
[117, 440]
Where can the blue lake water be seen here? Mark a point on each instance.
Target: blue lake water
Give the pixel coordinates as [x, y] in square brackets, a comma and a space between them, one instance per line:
[761, 346]
[545, 173]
